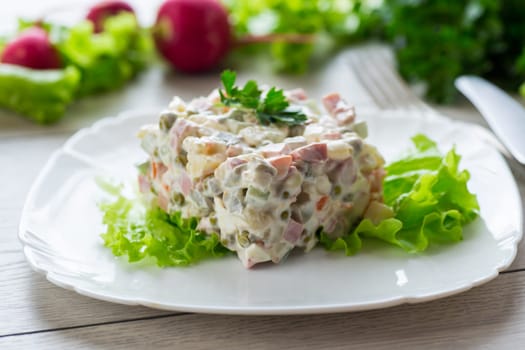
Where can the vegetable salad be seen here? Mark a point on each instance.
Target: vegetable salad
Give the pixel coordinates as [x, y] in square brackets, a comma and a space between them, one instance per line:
[219, 178]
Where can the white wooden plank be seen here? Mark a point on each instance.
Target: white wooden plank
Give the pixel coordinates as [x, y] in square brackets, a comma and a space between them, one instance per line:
[30, 302]
[491, 316]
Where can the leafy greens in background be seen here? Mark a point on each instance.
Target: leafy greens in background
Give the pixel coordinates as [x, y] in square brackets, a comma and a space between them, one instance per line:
[108, 59]
[426, 190]
[281, 17]
[92, 63]
[435, 40]
[42, 95]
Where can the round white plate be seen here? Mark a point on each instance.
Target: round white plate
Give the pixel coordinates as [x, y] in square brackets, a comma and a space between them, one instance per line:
[61, 224]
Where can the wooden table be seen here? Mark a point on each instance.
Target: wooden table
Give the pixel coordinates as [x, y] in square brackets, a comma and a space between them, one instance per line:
[36, 314]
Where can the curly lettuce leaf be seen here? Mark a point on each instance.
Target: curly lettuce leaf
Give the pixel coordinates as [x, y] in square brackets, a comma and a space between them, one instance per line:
[138, 230]
[108, 59]
[430, 200]
[41, 95]
[93, 62]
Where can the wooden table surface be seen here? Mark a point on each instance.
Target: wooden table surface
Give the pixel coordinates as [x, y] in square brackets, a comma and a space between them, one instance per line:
[37, 314]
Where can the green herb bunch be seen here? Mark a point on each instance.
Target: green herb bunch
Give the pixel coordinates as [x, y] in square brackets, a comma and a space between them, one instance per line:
[273, 108]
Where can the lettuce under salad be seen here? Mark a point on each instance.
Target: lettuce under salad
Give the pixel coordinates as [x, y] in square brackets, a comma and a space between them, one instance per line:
[429, 198]
[425, 195]
[138, 230]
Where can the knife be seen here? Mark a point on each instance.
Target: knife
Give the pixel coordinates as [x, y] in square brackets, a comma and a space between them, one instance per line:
[505, 116]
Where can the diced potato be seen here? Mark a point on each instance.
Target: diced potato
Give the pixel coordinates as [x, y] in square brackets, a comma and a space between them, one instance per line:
[339, 150]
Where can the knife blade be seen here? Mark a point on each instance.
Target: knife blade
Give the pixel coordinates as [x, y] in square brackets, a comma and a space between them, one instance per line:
[505, 116]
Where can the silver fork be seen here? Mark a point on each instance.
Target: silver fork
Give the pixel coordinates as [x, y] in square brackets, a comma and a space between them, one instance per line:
[374, 67]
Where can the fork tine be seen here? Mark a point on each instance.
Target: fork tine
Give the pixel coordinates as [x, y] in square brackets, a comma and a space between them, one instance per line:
[405, 97]
[374, 67]
[361, 72]
[400, 95]
[375, 72]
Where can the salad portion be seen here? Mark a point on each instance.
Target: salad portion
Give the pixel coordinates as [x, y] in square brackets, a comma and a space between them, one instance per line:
[260, 171]
[265, 188]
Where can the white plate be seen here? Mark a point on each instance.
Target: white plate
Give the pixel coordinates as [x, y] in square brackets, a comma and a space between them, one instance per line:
[60, 229]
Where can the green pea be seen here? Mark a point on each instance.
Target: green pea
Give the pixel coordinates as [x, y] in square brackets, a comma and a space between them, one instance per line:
[243, 239]
[178, 199]
[166, 121]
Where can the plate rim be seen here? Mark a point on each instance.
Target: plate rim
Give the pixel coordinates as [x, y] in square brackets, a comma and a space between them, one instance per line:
[30, 248]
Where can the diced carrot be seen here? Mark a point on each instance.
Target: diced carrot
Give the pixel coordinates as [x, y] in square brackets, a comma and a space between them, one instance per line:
[321, 203]
[154, 170]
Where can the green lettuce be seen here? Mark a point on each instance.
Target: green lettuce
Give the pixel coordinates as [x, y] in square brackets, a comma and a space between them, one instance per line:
[92, 63]
[139, 230]
[41, 95]
[429, 198]
[108, 59]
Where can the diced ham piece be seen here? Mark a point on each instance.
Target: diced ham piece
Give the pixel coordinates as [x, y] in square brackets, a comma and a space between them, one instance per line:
[233, 151]
[332, 102]
[346, 116]
[293, 231]
[296, 95]
[376, 179]
[185, 184]
[235, 162]
[282, 164]
[181, 129]
[161, 169]
[275, 149]
[329, 226]
[334, 135]
[344, 172]
[144, 184]
[339, 109]
[314, 152]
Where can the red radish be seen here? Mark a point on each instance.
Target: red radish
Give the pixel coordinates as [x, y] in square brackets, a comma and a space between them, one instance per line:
[31, 49]
[98, 13]
[193, 35]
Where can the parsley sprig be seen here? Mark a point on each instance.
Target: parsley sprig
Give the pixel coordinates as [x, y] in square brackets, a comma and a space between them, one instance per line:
[273, 108]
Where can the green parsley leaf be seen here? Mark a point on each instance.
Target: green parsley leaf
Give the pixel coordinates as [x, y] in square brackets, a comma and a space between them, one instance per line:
[273, 109]
[250, 95]
[228, 80]
[275, 101]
